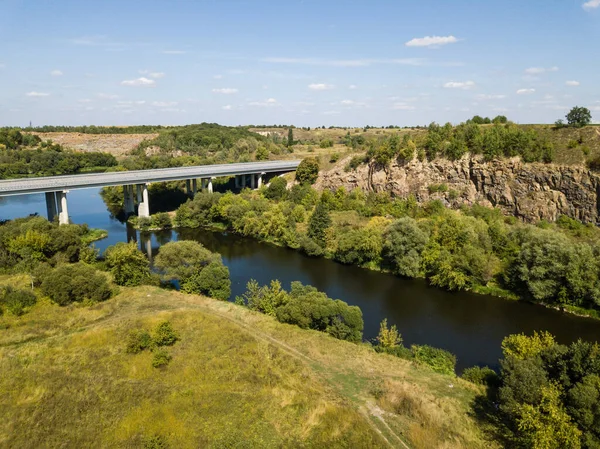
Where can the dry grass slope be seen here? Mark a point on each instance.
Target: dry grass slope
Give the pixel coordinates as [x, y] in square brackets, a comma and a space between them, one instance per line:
[237, 379]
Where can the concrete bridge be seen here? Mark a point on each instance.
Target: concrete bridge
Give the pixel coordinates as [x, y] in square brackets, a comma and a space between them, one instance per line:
[249, 174]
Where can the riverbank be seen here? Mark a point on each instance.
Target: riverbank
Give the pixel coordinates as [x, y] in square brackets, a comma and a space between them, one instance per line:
[304, 385]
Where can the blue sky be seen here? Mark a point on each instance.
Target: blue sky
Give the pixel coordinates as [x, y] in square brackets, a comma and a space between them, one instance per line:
[308, 63]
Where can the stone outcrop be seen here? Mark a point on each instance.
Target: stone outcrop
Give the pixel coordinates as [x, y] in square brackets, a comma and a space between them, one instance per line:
[530, 192]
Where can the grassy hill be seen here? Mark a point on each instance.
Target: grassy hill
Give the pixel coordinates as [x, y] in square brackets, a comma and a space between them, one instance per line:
[236, 379]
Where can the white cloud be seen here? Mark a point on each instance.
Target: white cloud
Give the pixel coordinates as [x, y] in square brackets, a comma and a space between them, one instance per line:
[573, 83]
[490, 97]
[320, 86]
[591, 4]
[465, 85]
[37, 94]
[540, 70]
[107, 96]
[227, 107]
[155, 75]
[164, 104]
[84, 100]
[431, 41]
[347, 102]
[352, 87]
[331, 112]
[174, 52]
[218, 77]
[525, 91]
[403, 107]
[139, 82]
[56, 73]
[266, 103]
[225, 90]
[344, 62]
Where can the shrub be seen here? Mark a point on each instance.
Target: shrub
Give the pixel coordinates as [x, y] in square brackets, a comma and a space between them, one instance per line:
[161, 358]
[594, 164]
[433, 188]
[137, 341]
[572, 144]
[309, 247]
[15, 301]
[480, 375]
[388, 338]
[326, 143]
[585, 150]
[75, 283]
[161, 220]
[334, 158]
[164, 335]
[277, 189]
[156, 442]
[143, 223]
[439, 360]
[213, 280]
[308, 171]
[128, 265]
[355, 162]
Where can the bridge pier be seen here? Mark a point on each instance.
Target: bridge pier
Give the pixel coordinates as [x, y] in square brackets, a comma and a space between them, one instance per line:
[63, 211]
[128, 200]
[260, 180]
[237, 181]
[210, 185]
[51, 205]
[143, 200]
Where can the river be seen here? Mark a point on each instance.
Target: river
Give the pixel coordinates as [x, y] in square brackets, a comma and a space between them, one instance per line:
[468, 325]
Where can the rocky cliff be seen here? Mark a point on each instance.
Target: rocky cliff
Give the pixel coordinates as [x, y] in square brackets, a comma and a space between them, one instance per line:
[530, 192]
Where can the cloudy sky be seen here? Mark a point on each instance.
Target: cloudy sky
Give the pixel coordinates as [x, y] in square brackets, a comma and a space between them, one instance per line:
[307, 62]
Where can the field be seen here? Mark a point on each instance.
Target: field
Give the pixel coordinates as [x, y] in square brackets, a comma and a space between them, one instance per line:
[116, 144]
[237, 379]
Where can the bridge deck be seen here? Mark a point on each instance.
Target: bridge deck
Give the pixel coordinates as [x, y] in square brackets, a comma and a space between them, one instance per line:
[23, 186]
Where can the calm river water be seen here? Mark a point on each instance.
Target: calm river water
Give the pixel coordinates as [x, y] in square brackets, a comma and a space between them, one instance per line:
[470, 326]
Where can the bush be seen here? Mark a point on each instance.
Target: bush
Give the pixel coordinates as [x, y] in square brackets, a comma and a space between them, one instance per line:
[480, 375]
[164, 335]
[156, 442]
[334, 158]
[143, 223]
[439, 360]
[128, 265]
[75, 283]
[161, 220]
[355, 162]
[309, 247]
[137, 341]
[572, 144]
[433, 188]
[277, 189]
[161, 358]
[308, 171]
[326, 143]
[15, 301]
[213, 280]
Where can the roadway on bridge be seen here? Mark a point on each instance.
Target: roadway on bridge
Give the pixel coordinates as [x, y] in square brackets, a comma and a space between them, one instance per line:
[23, 186]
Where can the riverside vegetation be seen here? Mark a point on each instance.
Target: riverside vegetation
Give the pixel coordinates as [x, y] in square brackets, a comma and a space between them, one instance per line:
[87, 316]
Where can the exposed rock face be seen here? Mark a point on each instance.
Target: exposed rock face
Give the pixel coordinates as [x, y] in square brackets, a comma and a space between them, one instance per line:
[530, 192]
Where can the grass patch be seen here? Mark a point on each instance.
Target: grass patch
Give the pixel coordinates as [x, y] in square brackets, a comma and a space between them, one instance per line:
[234, 375]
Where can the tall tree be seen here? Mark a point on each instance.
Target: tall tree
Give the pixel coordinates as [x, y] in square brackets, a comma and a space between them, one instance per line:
[290, 139]
[319, 222]
[579, 116]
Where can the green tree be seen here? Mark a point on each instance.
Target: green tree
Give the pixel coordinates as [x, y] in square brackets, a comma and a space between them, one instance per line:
[277, 189]
[181, 260]
[75, 283]
[212, 280]
[388, 338]
[308, 171]
[290, 138]
[579, 117]
[262, 153]
[319, 223]
[403, 244]
[128, 265]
